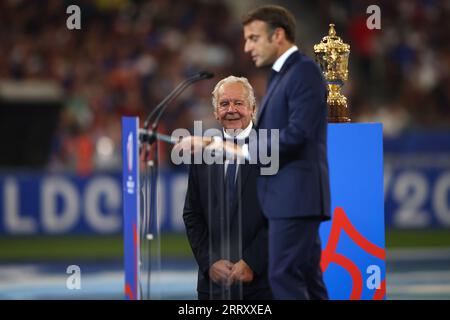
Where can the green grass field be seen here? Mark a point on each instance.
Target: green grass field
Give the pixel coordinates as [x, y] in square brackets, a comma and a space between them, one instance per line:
[46, 248]
[80, 247]
[418, 238]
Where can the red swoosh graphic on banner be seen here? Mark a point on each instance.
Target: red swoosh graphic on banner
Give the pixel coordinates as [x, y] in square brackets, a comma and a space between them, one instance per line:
[135, 248]
[128, 291]
[380, 293]
[329, 254]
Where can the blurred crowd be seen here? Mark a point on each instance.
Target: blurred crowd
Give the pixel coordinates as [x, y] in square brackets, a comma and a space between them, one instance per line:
[129, 55]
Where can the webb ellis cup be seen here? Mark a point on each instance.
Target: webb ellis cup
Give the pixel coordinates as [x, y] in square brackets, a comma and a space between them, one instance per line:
[332, 56]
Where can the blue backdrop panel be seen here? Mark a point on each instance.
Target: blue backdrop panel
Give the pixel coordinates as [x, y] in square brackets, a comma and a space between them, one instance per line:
[417, 193]
[55, 204]
[353, 256]
[417, 180]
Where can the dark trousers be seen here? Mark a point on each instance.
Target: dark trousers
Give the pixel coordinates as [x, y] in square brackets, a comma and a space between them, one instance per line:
[294, 259]
[261, 294]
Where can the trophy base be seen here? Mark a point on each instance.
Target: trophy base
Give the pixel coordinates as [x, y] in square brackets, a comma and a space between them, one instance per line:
[338, 112]
[339, 120]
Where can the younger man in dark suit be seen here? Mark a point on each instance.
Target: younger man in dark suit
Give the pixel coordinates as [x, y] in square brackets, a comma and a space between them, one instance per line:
[295, 104]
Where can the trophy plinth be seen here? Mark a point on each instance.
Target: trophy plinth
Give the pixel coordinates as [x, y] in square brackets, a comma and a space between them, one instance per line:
[332, 56]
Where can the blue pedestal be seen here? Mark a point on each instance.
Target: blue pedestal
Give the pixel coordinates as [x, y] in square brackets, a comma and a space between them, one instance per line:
[353, 243]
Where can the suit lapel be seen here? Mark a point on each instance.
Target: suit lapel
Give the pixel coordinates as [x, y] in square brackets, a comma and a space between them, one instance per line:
[266, 98]
[244, 170]
[290, 60]
[217, 186]
[220, 179]
[217, 183]
[242, 178]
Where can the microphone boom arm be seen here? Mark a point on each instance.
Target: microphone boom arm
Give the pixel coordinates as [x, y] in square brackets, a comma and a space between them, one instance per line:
[172, 95]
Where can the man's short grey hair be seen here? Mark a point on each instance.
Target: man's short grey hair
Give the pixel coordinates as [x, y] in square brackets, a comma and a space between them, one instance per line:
[233, 79]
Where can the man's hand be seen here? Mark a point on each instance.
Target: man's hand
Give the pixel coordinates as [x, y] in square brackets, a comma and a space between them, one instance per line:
[240, 272]
[220, 271]
[192, 144]
[226, 147]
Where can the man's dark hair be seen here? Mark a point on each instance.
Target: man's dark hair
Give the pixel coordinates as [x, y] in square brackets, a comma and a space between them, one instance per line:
[275, 17]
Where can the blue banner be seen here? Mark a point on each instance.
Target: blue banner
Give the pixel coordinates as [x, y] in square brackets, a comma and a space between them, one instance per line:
[417, 180]
[32, 204]
[353, 244]
[416, 191]
[131, 205]
[59, 204]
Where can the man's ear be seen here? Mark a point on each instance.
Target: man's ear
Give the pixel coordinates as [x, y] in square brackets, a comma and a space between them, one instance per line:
[278, 35]
[254, 112]
[216, 115]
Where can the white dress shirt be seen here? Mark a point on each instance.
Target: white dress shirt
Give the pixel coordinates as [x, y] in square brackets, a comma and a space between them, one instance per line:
[241, 136]
[282, 59]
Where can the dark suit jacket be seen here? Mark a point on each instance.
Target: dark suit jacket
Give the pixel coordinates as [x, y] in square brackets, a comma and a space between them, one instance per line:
[295, 104]
[204, 217]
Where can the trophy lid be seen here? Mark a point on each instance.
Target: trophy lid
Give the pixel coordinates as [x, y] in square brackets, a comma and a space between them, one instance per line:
[331, 42]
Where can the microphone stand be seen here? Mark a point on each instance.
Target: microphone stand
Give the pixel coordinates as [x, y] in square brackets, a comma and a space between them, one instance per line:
[151, 136]
[148, 138]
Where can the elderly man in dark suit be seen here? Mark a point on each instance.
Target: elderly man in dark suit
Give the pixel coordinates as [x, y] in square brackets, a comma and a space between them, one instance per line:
[224, 223]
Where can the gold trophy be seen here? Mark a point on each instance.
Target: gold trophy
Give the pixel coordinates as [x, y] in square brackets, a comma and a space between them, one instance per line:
[332, 56]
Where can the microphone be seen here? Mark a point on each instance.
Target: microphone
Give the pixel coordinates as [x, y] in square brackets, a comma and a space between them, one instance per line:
[172, 95]
[149, 136]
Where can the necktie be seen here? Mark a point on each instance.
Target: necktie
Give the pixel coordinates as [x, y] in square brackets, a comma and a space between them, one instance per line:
[230, 184]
